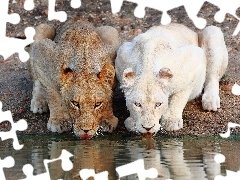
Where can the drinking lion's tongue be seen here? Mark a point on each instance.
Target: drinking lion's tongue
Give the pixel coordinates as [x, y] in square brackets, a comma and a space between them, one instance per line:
[85, 136]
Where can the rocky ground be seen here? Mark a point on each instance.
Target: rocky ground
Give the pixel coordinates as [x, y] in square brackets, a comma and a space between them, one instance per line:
[16, 86]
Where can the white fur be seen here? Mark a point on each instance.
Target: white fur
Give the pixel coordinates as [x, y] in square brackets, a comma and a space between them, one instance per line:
[169, 65]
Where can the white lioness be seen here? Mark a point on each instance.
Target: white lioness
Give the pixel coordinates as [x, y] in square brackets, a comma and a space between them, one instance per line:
[164, 68]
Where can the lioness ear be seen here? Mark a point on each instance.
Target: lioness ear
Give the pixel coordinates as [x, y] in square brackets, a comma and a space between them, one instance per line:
[109, 35]
[165, 75]
[66, 73]
[107, 74]
[128, 77]
[44, 31]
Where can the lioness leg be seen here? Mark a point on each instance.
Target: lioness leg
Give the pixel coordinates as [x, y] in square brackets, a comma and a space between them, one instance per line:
[38, 102]
[130, 124]
[59, 120]
[172, 119]
[212, 41]
[109, 121]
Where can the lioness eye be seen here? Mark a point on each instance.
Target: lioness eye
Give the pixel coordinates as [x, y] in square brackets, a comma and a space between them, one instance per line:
[67, 70]
[158, 105]
[138, 104]
[76, 104]
[98, 104]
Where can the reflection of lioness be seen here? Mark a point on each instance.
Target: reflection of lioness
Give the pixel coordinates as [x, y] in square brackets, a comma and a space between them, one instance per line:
[74, 75]
[164, 68]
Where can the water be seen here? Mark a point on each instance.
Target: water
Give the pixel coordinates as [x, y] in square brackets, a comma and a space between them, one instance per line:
[180, 159]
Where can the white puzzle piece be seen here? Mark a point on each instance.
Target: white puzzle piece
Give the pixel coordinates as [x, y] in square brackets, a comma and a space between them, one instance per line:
[7, 162]
[137, 167]
[236, 89]
[192, 9]
[75, 3]
[21, 125]
[9, 46]
[230, 125]
[66, 166]
[87, 173]
[28, 5]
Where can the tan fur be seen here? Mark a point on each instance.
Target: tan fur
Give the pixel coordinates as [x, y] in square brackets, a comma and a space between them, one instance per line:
[74, 75]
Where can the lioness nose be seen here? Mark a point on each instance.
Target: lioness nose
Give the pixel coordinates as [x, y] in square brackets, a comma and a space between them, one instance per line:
[86, 131]
[148, 129]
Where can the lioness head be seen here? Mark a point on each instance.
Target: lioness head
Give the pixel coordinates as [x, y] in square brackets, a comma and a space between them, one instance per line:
[146, 99]
[77, 68]
[88, 99]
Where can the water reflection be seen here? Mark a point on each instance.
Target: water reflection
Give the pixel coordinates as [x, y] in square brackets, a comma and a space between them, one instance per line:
[180, 159]
[97, 155]
[168, 157]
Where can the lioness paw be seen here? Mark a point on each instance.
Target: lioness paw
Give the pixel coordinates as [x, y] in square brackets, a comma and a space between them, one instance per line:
[172, 125]
[210, 101]
[108, 125]
[39, 104]
[56, 125]
[130, 124]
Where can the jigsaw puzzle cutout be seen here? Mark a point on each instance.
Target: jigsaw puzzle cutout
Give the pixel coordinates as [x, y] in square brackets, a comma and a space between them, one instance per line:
[229, 7]
[219, 158]
[230, 125]
[87, 173]
[236, 89]
[52, 14]
[21, 125]
[10, 45]
[29, 5]
[192, 9]
[7, 162]
[137, 167]
[66, 164]
[230, 175]
[76, 3]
